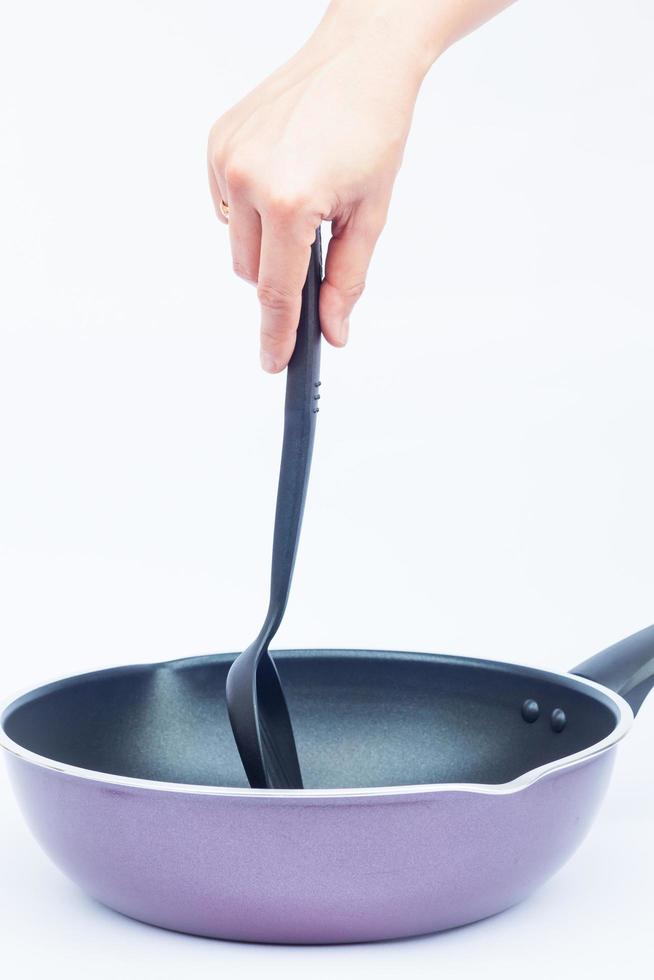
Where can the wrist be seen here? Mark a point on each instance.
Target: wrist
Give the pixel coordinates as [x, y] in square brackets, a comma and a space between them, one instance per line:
[407, 29]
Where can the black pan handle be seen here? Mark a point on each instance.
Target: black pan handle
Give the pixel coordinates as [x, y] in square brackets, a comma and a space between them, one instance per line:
[626, 667]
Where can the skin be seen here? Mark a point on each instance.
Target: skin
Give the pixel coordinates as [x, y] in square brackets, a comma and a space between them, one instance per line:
[322, 139]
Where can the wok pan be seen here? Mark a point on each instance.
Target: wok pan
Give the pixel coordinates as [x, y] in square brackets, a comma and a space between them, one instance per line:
[440, 789]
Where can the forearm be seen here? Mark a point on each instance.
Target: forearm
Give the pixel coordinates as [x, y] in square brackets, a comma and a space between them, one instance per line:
[419, 29]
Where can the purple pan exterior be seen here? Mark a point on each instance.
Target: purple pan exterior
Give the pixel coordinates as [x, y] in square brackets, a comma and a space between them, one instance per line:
[311, 867]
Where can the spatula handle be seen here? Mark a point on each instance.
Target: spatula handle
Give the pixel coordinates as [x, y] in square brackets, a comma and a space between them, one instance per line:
[300, 413]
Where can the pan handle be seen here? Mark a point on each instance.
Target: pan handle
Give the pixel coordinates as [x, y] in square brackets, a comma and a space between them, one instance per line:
[626, 667]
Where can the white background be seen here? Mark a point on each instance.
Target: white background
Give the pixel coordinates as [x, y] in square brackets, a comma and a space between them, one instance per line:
[483, 477]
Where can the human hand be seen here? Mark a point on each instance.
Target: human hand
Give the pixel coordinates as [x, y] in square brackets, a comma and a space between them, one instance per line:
[321, 139]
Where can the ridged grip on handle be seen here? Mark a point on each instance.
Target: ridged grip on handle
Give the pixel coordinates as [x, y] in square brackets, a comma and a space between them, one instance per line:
[626, 667]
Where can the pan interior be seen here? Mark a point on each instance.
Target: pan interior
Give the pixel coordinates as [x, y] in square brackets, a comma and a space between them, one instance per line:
[361, 718]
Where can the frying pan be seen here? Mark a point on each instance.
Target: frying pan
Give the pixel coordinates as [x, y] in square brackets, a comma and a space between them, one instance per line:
[440, 789]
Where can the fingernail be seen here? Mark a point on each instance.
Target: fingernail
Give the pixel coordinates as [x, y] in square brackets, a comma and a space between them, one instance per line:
[344, 332]
[268, 362]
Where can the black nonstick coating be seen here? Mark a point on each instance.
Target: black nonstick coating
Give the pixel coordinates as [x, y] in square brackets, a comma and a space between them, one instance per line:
[361, 719]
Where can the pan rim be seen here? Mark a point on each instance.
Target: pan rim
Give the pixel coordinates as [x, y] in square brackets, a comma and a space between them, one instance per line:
[624, 722]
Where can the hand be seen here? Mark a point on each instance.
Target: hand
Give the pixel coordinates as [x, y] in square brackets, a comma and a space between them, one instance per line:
[321, 139]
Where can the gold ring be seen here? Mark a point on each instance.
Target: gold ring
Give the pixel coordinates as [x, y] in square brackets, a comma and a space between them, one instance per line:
[224, 209]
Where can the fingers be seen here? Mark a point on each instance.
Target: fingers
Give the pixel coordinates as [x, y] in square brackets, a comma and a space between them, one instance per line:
[229, 186]
[271, 240]
[218, 193]
[244, 233]
[286, 241]
[348, 257]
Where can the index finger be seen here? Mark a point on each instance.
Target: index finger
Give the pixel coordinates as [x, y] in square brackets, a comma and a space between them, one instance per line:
[285, 253]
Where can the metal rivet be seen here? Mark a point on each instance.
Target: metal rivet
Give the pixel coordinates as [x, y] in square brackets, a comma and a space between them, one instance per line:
[558, 720]
[316, 398]
[530, 710]
[316, 384]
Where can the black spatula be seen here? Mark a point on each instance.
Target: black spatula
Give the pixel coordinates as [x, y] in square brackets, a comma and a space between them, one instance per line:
[255, 699]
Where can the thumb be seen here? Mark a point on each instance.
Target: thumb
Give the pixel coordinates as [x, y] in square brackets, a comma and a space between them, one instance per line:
[348, 257]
